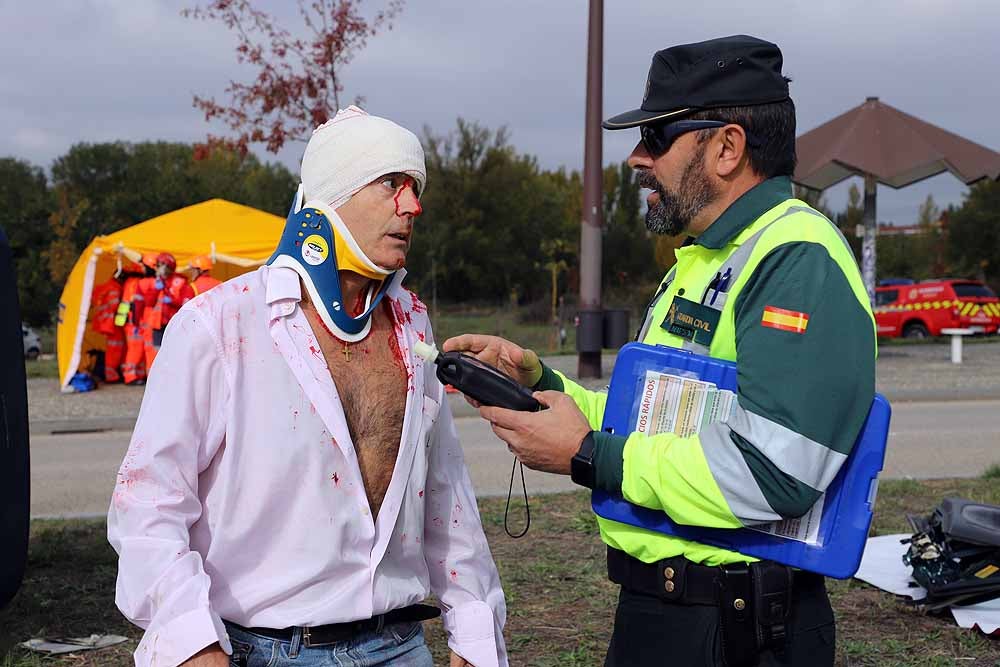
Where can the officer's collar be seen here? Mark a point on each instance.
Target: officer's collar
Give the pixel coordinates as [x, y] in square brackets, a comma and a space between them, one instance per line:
[744, 211]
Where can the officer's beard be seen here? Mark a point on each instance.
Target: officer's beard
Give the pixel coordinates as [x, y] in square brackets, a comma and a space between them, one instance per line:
[673, 213]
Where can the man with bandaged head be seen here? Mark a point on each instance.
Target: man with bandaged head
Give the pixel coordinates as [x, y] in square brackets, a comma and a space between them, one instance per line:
[294, 487]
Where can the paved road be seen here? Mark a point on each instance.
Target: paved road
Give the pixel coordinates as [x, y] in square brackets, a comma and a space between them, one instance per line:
[948, 439]
[73, 474]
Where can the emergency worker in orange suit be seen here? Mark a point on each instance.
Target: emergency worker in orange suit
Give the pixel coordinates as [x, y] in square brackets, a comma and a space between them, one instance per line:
[172, 291]
[200, 280]
[130, 315]
[105, 300]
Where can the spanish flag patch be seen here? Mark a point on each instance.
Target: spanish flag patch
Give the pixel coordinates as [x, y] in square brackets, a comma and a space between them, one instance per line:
[786, 320]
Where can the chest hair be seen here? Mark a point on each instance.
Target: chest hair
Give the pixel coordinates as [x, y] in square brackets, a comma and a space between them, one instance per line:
[371, 381]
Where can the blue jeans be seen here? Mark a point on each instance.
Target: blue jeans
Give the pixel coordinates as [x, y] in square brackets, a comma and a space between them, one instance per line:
[396, 645]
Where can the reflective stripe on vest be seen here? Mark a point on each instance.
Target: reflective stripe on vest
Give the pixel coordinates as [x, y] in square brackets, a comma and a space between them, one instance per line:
[734, 265]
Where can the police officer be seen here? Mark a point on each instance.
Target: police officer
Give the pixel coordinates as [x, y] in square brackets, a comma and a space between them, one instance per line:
[777, 290]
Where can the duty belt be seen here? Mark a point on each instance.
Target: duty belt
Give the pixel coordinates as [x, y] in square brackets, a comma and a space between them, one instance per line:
[754, 599]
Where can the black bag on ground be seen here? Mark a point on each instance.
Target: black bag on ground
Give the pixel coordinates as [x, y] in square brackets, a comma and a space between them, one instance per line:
[955, 553]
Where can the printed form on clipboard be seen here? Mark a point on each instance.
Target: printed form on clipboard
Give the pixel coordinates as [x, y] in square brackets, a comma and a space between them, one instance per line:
[684, 406]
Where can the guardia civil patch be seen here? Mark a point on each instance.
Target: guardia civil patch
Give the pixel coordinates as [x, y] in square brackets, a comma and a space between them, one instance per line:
[786, 320]
[691, 321]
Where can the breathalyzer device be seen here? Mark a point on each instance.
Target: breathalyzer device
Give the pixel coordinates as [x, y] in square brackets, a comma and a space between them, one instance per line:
[478, 380]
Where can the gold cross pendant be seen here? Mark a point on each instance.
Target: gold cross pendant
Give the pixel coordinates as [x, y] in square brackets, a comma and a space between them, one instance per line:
[347, 353]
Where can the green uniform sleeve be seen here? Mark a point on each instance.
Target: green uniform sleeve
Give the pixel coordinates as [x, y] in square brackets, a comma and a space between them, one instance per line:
[803, 396]
[804, 392]
[692, 496]
[591, 403]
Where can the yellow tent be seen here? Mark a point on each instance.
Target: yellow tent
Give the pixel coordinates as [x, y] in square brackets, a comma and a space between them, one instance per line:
[239, 239]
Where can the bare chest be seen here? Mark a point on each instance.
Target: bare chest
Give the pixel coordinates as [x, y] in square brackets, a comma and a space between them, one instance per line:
[371, 381]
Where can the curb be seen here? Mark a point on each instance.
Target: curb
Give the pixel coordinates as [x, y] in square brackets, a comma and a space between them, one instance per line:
[80, 425]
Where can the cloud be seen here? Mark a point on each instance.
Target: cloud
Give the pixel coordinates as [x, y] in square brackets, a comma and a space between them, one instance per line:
[97, 70]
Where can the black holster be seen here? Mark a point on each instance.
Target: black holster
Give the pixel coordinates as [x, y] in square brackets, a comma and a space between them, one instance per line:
[754, 603]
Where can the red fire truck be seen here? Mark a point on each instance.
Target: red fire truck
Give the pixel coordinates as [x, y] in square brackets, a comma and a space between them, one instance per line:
[919, 310]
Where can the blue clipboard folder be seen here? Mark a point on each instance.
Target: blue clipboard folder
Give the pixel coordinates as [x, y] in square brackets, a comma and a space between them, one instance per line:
[849, 501]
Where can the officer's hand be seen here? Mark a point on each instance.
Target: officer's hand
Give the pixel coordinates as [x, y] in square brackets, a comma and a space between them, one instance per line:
[458, 661]
[521, 364]
[546, 440]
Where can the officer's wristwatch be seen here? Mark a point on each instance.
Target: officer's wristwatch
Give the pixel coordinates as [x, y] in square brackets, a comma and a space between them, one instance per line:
[582, 469]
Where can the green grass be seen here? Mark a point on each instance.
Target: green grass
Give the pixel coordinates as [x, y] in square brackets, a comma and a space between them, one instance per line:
[539, 337]
[47, 335]
[993, 472]
[560, 603]
[42, 368]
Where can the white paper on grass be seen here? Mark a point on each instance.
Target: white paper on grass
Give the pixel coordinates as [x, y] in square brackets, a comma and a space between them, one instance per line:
[58, 645]
[882, 566]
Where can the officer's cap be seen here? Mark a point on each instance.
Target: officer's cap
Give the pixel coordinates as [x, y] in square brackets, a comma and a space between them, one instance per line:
[724, 72]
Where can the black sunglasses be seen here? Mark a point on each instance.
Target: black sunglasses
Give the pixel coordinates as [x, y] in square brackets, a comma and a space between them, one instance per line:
[659, 137]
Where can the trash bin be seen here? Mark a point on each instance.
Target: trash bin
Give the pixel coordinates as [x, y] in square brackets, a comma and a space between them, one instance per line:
[589, 331]
[616, 328]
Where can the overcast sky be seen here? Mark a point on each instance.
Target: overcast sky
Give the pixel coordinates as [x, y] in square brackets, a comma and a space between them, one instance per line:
[102, 70]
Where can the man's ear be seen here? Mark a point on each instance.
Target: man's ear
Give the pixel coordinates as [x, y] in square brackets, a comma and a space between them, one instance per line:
[730, 150]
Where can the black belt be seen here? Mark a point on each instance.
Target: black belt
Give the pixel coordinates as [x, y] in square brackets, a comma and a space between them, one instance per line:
[754, 599]
[680, 580]
[334, 633]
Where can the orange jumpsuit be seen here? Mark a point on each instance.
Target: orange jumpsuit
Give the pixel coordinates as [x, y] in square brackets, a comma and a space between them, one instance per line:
[105, 299]
[174, 293]
[203, 283]
[134, 368]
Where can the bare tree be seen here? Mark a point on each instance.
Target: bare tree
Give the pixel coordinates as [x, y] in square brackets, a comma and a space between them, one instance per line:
[298, 81]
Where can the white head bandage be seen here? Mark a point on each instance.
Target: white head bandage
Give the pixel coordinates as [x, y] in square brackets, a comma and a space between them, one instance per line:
[352, 149]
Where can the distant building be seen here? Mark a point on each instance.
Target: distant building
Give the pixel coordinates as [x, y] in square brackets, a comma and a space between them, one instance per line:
[940, 225]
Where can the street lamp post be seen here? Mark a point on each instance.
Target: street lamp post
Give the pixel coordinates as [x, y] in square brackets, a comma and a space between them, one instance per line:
[590, 327]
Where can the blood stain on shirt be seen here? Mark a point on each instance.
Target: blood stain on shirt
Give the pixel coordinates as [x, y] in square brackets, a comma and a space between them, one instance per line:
[418, 305]
[397, 356]
[118, 500]
[399, 315]
[420, 493]
[336, 479]
[454, 575]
